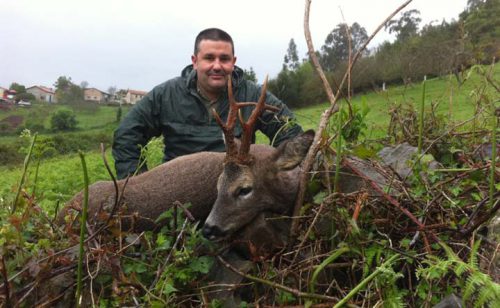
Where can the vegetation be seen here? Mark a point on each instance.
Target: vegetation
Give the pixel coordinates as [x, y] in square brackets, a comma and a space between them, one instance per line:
[402, 241]
[63, 120]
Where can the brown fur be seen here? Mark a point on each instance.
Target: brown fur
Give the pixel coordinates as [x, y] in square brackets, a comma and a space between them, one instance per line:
[191, 178]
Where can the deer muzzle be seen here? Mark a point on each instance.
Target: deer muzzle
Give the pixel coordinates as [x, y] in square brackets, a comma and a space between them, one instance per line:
[213, 232]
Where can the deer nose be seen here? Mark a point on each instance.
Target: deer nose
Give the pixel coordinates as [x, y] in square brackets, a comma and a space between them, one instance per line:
[212, 232]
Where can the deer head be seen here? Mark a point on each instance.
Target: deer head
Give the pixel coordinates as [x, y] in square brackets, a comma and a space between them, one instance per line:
[253, 184]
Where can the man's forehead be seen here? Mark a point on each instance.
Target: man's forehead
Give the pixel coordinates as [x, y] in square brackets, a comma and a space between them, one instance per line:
[211, 46]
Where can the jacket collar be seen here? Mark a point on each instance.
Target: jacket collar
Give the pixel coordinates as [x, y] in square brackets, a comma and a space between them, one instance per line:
[189, 75]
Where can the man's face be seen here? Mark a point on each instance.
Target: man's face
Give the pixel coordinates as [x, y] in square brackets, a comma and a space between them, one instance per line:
[214, 64]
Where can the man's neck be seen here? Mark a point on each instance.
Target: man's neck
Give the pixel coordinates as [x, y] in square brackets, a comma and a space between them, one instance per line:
[209, 96]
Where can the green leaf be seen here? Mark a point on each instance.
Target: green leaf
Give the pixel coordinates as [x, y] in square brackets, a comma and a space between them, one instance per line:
[201, 264]
[163, 242]
[318, 199]
[168, 289]
[165, 215]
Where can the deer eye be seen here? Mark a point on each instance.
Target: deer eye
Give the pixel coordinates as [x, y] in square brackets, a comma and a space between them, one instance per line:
[243, 191]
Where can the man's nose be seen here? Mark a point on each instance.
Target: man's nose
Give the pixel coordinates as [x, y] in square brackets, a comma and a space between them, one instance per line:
[217, 64]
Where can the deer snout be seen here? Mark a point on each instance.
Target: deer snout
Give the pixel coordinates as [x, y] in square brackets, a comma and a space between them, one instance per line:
[212, 232]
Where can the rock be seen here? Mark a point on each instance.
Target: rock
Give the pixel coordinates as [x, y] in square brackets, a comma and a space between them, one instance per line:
[450, 301]
[400, 158]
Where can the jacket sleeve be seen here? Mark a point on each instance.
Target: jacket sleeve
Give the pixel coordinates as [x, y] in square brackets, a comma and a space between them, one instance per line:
[139, 125]
[278, 126]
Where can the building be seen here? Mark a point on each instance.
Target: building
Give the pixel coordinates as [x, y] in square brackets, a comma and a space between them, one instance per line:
[44, 94]
[133, 96]
[95, 95]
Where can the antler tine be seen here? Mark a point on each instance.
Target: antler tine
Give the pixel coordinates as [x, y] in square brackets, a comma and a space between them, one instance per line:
[248, 127]
[228, 128]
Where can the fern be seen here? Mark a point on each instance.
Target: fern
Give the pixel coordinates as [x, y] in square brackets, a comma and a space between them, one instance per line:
[370, 255]
[479, 288]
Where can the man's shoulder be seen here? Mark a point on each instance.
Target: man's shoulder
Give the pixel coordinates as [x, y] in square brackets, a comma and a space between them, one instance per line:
[175, 83]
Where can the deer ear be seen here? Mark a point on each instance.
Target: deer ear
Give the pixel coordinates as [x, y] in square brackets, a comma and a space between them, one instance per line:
[291, 153]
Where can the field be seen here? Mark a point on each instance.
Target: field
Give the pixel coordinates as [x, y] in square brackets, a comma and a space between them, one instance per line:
[375, 241]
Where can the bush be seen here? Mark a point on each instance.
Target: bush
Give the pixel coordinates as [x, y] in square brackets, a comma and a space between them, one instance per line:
[63, 120]
[9, 154]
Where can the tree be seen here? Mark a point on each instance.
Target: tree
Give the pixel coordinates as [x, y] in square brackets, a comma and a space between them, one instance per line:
[340, 42]
[63, 83]
[67, 92]
[250, 74]
[63, 120]
[482, 26]
[19, 88]
[291, 59]
[84, 84]
[112, 91]
[406, 26]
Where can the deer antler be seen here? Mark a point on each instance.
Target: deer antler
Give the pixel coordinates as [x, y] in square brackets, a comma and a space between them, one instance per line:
[232, 152]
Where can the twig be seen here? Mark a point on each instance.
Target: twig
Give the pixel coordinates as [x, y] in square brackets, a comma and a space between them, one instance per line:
[27, 160]
[469, 227]
[83, 224]
[6, 282]
[295, 292]
[115, 184]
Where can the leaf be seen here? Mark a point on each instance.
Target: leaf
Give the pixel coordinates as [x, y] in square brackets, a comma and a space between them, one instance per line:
[201, 264]
[163, 242]
[318, 199]
[168, 289]
[165, 215]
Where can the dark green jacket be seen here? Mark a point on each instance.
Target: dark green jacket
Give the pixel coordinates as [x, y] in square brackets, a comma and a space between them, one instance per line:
[175, 110]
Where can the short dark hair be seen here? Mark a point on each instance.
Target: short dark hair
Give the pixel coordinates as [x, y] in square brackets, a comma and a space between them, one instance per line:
[212, 34]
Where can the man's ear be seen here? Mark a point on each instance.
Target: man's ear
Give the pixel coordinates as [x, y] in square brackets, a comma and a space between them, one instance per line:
[291, 153]
[194, 60]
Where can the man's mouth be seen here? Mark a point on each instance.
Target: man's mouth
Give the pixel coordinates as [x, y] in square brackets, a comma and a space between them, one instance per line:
[216, 75]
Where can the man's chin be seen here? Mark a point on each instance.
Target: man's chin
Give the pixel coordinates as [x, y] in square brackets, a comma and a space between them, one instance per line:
[218, 85]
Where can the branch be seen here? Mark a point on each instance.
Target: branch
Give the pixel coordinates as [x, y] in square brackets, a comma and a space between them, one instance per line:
[277, 285]
[308, 162]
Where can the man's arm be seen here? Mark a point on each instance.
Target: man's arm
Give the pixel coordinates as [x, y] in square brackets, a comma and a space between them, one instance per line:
[139, 125]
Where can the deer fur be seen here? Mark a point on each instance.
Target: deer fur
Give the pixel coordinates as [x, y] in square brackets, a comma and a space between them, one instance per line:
[186, 179]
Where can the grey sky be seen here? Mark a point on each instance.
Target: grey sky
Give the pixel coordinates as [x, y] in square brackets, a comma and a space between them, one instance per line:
[139, 44]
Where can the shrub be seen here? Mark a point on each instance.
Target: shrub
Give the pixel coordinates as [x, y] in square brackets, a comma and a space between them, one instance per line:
[63, 120]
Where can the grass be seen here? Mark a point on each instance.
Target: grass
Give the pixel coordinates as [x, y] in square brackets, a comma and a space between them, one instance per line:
[451, 99]
[59, 178]
[89, 116]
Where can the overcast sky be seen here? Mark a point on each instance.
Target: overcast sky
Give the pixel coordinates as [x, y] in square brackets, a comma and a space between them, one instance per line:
[139, 44]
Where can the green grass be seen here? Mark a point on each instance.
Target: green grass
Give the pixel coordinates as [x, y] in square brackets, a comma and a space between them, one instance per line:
[59, 178]
[88, 115]
[457, 101]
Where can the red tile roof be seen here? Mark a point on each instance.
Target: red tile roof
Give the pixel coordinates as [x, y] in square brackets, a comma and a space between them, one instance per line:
[44, 89]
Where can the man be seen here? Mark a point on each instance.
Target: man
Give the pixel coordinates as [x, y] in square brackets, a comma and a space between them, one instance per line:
[180, 108]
